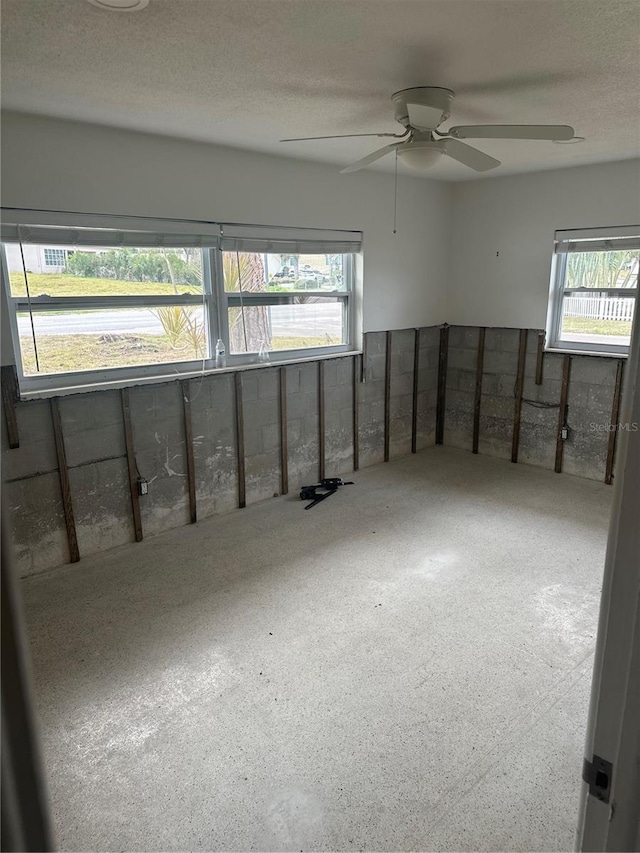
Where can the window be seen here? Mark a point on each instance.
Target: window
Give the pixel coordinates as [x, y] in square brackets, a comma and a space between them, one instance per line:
[96, 304]
[594, 290]
[55, 257]
[276, 302]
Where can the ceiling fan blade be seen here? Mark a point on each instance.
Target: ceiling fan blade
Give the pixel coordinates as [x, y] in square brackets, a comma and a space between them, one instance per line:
[470, 156]
[512, 131]
[424, 117]
[370, 158]
[341, 136]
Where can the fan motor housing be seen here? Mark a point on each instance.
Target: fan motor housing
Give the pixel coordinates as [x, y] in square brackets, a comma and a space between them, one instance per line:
[429, 96]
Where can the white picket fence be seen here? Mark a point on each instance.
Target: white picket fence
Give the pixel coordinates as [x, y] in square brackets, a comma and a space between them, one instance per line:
[599, 308]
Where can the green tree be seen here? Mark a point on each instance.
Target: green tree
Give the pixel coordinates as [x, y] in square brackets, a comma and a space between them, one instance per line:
[601, 270]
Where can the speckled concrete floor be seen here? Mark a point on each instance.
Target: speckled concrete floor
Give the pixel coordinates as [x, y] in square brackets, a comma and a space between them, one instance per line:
[405, 667]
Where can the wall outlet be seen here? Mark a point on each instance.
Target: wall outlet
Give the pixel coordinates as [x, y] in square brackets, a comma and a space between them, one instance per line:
[564, 433]
[143, 486]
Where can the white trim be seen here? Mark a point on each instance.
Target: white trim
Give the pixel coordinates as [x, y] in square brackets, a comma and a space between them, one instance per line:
[595, 233]
[609, 245]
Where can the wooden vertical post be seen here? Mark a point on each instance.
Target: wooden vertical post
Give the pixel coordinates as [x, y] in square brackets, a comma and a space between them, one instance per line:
[65, 486]
[9, 396]
[615, 421]
[185, 387]
[284, 448]
[442, 382]
[242, 486]
[478, 397]
[562, 411]
[387, 397]
[539, 358]
[357, 373]
[321, 440]
[131, 465]
[416, 376]
[517, 412]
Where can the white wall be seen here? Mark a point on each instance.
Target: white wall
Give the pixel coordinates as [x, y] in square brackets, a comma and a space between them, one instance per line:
[502, 236]
[58, 165]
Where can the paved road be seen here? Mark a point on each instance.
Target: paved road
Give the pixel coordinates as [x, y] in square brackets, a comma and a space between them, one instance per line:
[295, 320]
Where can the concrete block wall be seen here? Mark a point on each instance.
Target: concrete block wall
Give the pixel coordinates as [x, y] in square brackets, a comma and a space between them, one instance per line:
[371, 402]
[401, 392]
[94, 441]
[339, 402]
[590, 397]
[428, 385]
[94, 437]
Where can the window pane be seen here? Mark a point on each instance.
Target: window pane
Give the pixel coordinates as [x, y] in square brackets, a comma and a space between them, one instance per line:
[270, 272]
[65, 271]
[599, 319]
[90, 340]
[598, 316]
[602, 270]
[316, 323]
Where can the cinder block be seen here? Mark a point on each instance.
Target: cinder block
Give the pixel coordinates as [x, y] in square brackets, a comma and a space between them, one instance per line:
[497, 408]
[467, 381]
[457, 336]
[375, 343]
[268, 384]
[507, 385]
[429, 336]
[578, 393]
[401, 384]
[502, 340]
[376, 367]
[330, 373]
[302, 405]
[36, 521]
[467, 359]
[490, 383]
[37, 451]
[252, 435]
[452, 377]
[345, 371]
[293, 379]
[500, 362]
[249, 385]
[593, 371]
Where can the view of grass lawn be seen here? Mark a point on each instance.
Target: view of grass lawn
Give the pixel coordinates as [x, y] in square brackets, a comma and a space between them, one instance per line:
[71, 285]
[586, 326]
[65, 353]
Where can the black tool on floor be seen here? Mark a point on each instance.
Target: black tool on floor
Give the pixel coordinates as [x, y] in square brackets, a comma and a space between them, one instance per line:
[325, 488]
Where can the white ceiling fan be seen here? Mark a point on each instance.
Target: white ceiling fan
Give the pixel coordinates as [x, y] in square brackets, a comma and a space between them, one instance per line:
[421, 111]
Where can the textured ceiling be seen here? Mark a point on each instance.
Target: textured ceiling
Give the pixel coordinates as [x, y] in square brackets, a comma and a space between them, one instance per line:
[247, 72]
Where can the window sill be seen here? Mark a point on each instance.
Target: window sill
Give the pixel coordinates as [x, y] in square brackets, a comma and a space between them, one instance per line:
[117, 384]
[598, 353]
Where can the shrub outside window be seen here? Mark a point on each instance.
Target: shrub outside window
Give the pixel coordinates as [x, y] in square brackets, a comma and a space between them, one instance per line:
[594, 290]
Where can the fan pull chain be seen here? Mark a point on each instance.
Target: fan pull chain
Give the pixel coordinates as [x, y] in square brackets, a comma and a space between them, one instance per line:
[395, 196]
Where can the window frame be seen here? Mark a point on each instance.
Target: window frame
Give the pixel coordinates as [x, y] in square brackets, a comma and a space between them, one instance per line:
[214, 301]
[236, 299]
[557, 292]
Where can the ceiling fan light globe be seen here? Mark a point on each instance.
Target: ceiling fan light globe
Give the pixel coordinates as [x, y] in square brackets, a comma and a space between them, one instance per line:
[420, 159]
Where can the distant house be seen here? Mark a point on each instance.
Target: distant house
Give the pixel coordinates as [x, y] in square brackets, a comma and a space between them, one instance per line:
[37, 259]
